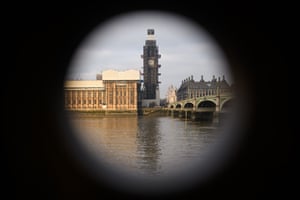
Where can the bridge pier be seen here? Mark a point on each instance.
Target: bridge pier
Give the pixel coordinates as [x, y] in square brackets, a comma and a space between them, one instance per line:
[205, 116]
[185, 114]
[169, 112]
[216, 117]
[180, 114]
[188, 114]
[175, 113]
[195, 116]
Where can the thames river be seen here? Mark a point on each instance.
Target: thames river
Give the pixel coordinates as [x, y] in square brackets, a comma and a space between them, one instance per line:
[145, 145]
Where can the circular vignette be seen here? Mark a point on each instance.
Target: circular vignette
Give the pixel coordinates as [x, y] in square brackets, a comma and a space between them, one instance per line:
[219, 155]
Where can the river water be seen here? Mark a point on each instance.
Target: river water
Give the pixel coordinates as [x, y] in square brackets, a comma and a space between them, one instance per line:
[146, 145]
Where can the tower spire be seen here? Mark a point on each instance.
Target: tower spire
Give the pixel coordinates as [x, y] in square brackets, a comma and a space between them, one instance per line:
[150, 34]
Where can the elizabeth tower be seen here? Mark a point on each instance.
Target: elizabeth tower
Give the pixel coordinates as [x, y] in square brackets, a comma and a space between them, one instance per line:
[150, 69]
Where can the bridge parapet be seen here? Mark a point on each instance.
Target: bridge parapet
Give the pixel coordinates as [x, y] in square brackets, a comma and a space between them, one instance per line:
[215, 99]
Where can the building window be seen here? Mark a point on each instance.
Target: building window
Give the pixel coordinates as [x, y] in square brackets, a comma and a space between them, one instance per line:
[110, 97]
[131, 96]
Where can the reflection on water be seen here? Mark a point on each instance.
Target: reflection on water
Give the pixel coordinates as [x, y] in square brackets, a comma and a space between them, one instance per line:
[146, 145]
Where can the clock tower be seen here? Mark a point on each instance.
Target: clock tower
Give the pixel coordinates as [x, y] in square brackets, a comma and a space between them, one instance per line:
[150, 68]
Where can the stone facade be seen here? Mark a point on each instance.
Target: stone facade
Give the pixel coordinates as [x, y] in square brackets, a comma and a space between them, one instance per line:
[171, 95]
[190, 88]
[118, 90]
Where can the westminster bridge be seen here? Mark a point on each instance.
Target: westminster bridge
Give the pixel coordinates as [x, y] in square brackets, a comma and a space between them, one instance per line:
[202, 108]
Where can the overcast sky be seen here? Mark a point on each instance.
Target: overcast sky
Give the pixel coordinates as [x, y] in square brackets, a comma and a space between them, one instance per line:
[186, 49]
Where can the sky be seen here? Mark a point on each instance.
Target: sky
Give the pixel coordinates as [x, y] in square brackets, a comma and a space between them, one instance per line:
[186, 49]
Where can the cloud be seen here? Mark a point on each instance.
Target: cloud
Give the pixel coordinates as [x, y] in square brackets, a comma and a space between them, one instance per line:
[186, 49]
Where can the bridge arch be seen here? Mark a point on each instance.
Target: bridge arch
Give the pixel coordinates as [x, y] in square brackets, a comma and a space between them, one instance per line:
[227, 104]
[189, 105]
[178, 106]
[172, 106]
[206, 104]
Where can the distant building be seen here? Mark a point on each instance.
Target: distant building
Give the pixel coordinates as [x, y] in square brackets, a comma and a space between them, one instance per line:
[113, 90]
[150, 74]
[190, 88]
[171, 95]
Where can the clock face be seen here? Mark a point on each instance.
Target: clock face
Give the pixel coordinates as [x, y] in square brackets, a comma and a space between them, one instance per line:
[151, 62]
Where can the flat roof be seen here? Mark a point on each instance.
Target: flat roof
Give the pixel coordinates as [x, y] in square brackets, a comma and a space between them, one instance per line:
[111, 75]
[84, 84]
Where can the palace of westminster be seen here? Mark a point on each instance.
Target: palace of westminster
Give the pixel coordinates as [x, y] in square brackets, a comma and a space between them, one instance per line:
[125, 90]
